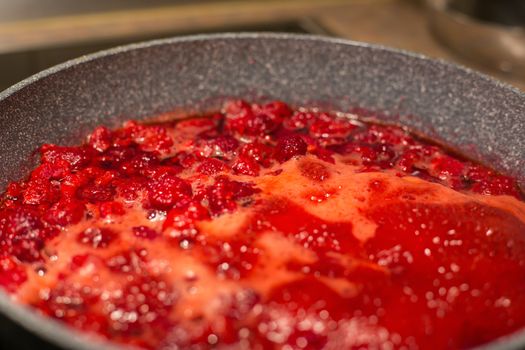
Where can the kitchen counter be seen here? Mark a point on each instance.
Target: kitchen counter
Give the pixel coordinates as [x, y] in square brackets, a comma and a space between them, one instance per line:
[54, 33]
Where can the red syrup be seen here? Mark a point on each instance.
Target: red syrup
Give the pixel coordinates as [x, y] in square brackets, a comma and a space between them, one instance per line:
[263, 226]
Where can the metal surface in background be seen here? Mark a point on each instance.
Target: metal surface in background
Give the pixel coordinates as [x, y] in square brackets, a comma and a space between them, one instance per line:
[490, 35]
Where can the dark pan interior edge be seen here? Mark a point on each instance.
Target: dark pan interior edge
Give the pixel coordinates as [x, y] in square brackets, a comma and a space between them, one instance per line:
[197, 37]
[60, 335]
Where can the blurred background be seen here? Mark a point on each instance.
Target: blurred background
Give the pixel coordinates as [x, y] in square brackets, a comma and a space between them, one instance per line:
[487, 35]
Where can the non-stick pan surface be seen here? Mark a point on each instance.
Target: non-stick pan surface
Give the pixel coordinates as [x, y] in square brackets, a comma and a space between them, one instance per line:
[479, 116]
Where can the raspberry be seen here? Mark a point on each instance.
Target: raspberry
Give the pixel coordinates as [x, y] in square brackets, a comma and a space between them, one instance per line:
[51, 171]
[447, 166]
[180, 222]
[224, 193]
[479, 173]
[223, 146]
[144, 232]
[299, 120]
[39, 192]
[96, 193]
[185, 159]
[237, 109]
[259, 152]
[385, 134]
[71, 183]
[23, 234]
[295, 306]
[103, 177]
[246, 166]
[140, 164]
[14, 190]
[12, 275]
[128, 261]
[111, 209]
[152, 138]
[289, 147]
[324, 154]
[410, 159]
[330, 130]
[278, 110]
[80, 260]
[242, 119]
[498, 185]
[376, 155]
[488, 182]
[143, 306]
[131, 188]
[309, 293]
[168, 191]
[100, 139]
[76, 157]
[97, 237]
[73, 304]
[231, 259]
[211, 166]
[65, 212]
[117, 155]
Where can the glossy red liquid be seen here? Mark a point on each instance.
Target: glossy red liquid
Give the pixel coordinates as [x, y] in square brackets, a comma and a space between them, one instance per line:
[261, 226]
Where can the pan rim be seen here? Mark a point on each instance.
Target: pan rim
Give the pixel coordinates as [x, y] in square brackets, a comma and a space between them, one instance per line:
[248, 35]
[61, 335]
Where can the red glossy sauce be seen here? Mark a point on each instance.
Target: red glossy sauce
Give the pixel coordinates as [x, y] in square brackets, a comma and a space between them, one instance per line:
[261, 226]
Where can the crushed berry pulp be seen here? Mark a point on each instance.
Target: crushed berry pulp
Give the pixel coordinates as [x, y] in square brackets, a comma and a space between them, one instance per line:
[262, 226]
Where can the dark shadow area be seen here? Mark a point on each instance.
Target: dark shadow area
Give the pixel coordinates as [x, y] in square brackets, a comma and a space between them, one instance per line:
[26, 63]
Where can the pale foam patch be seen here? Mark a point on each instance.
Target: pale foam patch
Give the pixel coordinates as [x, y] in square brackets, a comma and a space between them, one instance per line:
[339, 198]
[346, 195]
[227, 225]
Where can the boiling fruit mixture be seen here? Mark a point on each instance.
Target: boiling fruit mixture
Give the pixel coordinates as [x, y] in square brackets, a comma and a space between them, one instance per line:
[267, 227]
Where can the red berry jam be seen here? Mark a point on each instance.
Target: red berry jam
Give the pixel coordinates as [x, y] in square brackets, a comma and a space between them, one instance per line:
[263, 226]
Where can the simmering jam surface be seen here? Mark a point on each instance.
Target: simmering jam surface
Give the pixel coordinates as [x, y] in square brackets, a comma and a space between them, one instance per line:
[263, 226]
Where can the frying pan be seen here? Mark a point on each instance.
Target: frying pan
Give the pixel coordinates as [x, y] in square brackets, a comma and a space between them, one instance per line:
[481, 117]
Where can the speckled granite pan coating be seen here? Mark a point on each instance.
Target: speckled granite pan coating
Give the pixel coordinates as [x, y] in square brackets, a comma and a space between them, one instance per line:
[482, 117]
